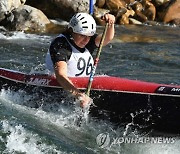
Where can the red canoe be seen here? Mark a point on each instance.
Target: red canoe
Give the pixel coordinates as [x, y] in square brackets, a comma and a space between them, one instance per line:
[118, 97]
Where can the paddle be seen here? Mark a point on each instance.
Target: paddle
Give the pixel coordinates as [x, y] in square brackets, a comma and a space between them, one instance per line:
[91, 78]
[97, 54]
[84, 113]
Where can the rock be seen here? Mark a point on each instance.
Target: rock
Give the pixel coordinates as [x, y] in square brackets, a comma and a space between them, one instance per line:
[98, 13]
[129, 1]
[149, 9]
[134, 21]
[63, 9]
[14, 15]
[100, 3]
[172, 13]
[3, 29]
[138, 8]
[144, 10]
[55, 27]
[121, 12]
[6, 6]
[115, 5]
[29, 19]
[175, 21]
[160, 2]
[124, 19]
[23, 1]
[152, 23]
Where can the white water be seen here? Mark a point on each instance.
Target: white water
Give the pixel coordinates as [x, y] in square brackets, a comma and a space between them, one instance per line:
[31, 130]
[52, 128]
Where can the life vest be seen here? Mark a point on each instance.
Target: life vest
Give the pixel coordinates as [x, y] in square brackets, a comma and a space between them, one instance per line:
[79, 65]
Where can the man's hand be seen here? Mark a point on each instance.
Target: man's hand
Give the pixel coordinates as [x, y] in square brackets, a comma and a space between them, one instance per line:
[109, 18]
[84, 99]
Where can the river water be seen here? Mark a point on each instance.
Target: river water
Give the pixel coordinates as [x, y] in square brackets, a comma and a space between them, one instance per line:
[148, 53]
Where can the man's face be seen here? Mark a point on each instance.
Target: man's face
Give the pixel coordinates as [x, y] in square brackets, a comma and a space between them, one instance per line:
[80, 40]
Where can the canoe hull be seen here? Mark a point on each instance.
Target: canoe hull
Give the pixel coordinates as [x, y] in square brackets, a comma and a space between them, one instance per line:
[144, 108]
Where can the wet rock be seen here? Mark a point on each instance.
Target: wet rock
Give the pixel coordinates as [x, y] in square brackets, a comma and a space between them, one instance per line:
[121, 12]
[138, 8]
[56, 26]
[2, 29]
[134, 21]
[124, 16]
[160, 2]
[172, 13]
[27, 18]
[144, 10]
[6, 7]
[14, 15]
[129, 1]
[63, 9]
[100, 3]
[98, 13]
[149, 9]
[175, 21]
[115, 5]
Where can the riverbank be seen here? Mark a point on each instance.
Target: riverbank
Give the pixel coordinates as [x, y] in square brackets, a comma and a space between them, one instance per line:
[36, 17]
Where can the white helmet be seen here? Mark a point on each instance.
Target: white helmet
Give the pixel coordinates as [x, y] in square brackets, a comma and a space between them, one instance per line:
[83, 23]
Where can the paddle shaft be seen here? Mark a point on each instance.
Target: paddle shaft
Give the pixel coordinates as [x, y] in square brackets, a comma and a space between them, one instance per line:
[96, 61]
[91, 5]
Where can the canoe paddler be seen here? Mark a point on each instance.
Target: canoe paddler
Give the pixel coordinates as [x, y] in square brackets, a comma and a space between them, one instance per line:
[70, 53]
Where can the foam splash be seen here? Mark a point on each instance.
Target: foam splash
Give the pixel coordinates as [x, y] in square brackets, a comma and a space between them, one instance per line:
[21, 140]
[59, 122]
[56, 113]
[22, 35]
